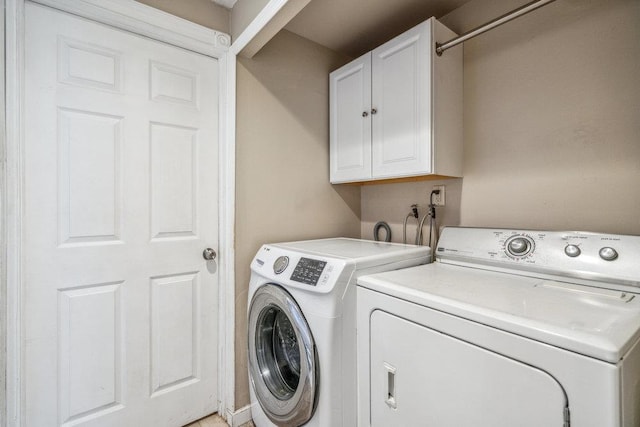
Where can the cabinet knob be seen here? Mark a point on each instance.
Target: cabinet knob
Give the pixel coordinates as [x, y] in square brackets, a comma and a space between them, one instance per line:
[365, 114]
[374, 111]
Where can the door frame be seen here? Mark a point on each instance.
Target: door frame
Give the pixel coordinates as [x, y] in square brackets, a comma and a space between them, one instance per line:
[144, 20]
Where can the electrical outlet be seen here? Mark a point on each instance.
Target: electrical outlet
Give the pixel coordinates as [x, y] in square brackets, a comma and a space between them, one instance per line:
[438, 199]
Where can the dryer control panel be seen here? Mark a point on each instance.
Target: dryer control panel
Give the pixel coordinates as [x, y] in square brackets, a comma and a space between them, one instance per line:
[591, 256]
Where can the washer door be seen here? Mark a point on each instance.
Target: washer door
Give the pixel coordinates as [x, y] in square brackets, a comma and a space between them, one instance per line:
[283, 362]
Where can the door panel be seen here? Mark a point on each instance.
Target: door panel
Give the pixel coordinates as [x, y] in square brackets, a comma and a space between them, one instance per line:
[172, 84]
[89, 65]
[90, 340]
[173, 159]
[121, 173]
[174, 331]
[422, 377]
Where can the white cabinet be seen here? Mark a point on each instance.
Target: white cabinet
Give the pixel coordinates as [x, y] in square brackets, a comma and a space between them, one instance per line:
[397, 110]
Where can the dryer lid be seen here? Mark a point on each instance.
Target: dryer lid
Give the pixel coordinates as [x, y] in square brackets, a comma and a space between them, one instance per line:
[600, 323]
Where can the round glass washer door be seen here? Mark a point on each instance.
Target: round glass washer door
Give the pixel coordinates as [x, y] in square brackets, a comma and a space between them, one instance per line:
[283, 362]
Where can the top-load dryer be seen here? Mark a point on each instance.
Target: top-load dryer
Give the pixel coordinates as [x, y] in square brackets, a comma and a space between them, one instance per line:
[507, 328]
[302, 331]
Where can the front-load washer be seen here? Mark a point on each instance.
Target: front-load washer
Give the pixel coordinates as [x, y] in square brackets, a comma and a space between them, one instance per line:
[506, 328]
[301, 333]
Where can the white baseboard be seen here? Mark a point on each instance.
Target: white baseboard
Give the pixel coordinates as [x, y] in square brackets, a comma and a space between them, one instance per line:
[239, 417]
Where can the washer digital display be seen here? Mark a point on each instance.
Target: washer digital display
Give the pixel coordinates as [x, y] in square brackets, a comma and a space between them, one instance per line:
[308, 271]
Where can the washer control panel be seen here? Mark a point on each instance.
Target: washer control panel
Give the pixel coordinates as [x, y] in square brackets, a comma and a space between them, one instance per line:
[291, 268]
[592, 256]
[308, 271]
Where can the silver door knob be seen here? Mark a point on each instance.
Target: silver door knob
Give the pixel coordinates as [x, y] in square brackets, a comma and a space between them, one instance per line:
[209, 254]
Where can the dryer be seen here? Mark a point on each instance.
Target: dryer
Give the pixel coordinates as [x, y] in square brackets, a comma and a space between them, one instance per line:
[507, 328]
[301, 337]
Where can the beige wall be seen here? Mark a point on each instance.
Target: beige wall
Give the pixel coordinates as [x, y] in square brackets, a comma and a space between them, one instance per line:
[203, 12]
[282, 171]
[552, 120]
[392, 202]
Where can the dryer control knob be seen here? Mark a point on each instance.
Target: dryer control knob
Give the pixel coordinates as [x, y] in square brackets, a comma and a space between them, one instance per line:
[572, 251]
[518, 246]
[608, 254]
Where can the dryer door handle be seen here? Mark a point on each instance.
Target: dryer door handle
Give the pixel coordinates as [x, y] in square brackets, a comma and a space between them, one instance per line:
[391, 386]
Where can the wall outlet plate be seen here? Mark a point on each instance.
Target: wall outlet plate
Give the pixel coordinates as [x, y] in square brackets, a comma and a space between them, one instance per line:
[438, 199]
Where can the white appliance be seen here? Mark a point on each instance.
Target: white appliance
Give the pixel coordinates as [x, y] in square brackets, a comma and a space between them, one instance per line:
[302, 365]
[506, 328]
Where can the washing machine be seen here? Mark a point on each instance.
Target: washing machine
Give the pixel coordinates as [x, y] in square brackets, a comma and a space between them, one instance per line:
[302, 332]
[506, 328]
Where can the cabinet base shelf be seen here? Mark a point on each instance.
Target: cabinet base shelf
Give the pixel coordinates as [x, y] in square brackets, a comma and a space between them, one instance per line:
[398, 180]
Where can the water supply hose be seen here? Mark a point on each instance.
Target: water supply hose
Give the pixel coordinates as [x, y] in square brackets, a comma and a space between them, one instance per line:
[419, 237]
[413, 213]
[376, 231]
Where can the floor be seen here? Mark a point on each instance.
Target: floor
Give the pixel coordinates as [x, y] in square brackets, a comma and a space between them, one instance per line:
[215, 420]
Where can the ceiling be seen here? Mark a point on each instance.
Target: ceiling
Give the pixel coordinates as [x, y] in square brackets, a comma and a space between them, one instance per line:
[225, 3]
[354, 27]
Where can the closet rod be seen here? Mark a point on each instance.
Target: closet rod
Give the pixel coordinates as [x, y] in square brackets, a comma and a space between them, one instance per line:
[523, 10]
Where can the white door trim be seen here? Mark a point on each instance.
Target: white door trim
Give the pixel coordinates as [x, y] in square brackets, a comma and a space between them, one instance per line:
[147, 21]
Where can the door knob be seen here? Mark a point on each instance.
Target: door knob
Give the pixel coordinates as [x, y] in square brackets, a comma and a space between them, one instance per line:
[209, 254]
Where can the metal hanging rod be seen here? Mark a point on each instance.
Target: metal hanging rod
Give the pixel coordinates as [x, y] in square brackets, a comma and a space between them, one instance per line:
[523, 10]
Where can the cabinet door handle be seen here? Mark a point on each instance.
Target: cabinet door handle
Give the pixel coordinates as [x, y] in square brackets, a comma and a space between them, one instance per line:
[365, 114]
[374, 111]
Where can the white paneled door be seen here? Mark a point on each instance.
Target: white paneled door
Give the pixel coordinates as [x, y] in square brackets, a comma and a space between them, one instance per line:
[121, 178]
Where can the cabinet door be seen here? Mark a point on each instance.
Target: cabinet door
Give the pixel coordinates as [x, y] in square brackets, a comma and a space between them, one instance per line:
[401, 97]
[350, 94]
